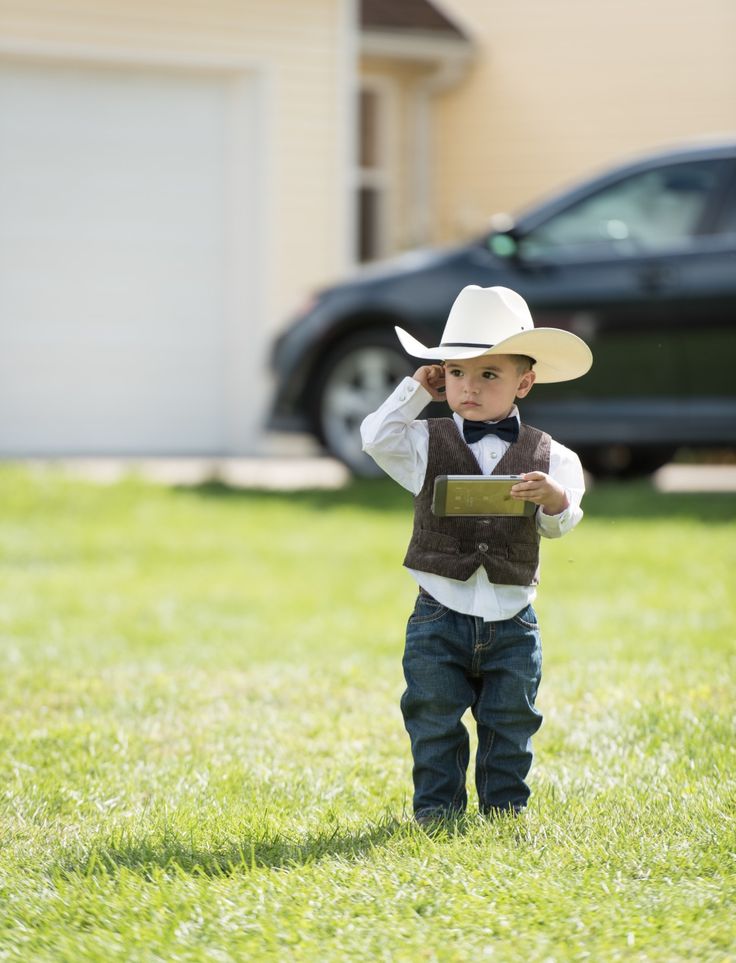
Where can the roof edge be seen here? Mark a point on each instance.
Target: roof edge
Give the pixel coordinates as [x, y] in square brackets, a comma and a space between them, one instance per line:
[420, 46]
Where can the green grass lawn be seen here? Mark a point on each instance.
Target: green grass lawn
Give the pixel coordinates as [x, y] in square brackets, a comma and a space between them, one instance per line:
[203, 756]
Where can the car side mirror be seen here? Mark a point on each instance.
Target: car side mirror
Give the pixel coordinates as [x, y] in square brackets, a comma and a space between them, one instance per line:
[503, 244]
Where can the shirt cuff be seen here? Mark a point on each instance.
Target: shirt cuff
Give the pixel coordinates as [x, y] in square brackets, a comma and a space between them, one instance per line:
[411, 397]
[554, 526]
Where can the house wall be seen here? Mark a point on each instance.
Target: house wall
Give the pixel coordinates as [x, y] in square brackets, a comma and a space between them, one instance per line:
[561, 89]
[300, 52]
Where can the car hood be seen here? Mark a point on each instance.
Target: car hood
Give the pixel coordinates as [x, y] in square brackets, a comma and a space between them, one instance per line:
[417, 261]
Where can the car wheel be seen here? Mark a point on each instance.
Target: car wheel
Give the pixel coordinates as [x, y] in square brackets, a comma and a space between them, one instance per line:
[354, 380]
[625, 461]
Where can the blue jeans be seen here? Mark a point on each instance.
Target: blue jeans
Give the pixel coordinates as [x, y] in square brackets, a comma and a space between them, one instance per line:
[453, 662]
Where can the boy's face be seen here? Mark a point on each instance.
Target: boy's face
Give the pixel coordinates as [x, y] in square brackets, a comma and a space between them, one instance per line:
[485, 388]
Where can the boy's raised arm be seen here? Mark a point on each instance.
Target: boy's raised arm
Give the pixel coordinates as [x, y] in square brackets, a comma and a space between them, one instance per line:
[395, 440]
[432, 378]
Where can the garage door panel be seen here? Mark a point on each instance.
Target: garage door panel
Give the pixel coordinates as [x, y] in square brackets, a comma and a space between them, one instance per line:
[112, 260]
[153, 393]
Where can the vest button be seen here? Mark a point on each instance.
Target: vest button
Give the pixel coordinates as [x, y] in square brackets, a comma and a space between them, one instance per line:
[482, 547]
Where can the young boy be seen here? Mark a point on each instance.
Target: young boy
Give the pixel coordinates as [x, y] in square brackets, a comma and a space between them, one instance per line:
[473, 639]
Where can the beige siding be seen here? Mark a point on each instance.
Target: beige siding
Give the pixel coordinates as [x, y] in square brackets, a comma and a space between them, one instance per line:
[297, 48]
[562, 88]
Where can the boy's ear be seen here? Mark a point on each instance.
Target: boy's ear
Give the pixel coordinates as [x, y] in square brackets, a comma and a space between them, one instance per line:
[525, 383]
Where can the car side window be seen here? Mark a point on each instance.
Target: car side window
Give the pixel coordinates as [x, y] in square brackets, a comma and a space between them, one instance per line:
[726, 219]
[648, 212]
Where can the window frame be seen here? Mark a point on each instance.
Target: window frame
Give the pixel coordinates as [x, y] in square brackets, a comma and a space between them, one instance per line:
[376, 178]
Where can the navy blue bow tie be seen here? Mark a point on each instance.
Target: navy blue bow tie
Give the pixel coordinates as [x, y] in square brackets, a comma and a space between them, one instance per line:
[507, 429]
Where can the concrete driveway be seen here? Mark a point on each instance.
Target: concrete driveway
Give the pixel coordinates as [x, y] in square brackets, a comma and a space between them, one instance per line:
[291, 463]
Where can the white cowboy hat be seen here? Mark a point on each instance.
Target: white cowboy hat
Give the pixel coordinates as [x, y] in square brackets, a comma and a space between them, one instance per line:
[498, 321]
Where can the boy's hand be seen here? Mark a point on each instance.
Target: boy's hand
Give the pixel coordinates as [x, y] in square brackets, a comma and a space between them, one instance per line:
[539, 488]
[432, 377]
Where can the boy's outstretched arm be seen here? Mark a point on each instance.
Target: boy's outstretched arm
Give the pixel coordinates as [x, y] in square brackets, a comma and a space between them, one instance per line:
[544, 491]
[557, 493]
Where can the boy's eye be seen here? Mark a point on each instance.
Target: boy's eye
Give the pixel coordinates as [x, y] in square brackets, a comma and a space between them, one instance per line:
[489, 374]
[455, 372]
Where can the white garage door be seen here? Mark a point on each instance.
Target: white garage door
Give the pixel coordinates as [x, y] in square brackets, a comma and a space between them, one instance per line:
[112, 261]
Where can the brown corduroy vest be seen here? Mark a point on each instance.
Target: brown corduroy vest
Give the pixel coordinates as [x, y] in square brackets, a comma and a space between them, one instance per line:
[508, 548]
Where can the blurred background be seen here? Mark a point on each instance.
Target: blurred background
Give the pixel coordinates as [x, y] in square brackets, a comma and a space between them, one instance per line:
[178, 180]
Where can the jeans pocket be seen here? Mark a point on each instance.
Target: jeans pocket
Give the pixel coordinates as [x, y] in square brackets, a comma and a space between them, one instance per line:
[426, 609]
[527, 618]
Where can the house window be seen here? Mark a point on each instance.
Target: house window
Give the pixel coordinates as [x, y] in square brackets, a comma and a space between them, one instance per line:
[372, 179]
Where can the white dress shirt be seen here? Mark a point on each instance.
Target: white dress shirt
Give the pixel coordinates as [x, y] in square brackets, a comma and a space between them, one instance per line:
[399, 444]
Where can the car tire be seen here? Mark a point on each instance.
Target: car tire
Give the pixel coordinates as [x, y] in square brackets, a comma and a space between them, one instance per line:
[354, 379]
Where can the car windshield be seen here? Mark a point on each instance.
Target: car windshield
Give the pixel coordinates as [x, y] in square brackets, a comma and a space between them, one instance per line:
[653, 210]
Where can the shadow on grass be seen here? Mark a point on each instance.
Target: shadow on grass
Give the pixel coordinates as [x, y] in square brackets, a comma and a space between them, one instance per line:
[146, 856]
[636, 499]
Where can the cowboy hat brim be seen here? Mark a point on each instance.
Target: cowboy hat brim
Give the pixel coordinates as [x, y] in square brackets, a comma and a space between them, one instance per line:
[558, 355]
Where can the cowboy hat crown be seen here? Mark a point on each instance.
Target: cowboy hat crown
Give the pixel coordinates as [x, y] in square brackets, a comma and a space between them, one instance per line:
[497, 320]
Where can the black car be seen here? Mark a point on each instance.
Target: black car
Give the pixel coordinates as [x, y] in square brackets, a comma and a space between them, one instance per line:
[640, 262]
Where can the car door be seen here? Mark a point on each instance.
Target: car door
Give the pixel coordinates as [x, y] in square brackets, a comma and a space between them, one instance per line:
[641, 270]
